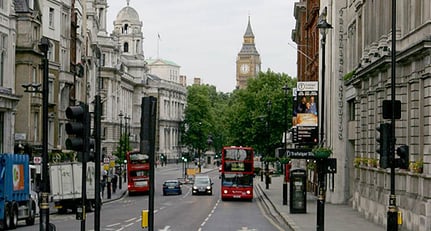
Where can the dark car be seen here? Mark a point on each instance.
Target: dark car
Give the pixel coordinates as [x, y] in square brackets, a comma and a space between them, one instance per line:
[172, 187]
[202, 185]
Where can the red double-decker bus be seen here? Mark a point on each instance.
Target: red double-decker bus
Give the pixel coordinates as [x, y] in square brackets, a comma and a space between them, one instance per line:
[237, 173]
[138, 170]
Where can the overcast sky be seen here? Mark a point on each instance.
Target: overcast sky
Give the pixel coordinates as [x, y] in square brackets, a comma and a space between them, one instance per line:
[205, 36]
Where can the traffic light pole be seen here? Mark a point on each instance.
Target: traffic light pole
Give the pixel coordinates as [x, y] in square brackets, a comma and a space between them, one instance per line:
[97, 160]
[44, 204]
[147, 146]
[392, 209]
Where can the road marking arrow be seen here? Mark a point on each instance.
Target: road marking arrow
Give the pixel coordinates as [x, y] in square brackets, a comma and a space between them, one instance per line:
[166, 228]
[246, 229]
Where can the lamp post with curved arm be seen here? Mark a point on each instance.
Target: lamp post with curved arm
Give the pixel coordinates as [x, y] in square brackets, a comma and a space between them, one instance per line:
[286, 92]
[44, 204]
[323, 26]
[121, 150]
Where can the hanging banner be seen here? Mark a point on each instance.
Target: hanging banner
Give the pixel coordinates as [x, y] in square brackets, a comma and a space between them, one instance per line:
[305, 112]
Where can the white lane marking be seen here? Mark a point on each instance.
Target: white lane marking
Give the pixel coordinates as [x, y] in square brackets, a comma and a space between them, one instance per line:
[127, 225]
[210, 214]
[112, 225]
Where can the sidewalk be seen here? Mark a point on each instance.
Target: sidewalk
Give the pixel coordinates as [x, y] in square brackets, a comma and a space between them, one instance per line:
[117, 195]
[337, 217]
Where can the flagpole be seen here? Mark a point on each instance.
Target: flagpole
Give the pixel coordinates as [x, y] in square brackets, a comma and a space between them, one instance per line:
[158, 40]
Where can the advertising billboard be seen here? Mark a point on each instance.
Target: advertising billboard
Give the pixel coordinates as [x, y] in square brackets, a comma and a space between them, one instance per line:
[305, 112]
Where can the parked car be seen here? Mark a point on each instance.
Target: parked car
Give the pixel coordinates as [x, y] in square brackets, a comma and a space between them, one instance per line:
[202, 185]
[172, 187]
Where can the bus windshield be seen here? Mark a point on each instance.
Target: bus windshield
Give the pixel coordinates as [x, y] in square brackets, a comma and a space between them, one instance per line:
[138, 158]
[238, 154]
[134, 173]
[238, 180]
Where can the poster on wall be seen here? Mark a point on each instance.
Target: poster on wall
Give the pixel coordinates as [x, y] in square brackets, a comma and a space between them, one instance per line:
[305, 112]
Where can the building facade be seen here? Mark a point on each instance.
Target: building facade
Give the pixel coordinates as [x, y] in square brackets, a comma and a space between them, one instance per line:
[9, 98]
[306, 35]
[358, 79]
[166, 85]
[248, 60]
[85, 60]
[368, 83]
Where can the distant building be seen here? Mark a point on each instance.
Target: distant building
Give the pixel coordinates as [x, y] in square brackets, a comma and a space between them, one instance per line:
[165, 69]
[183, 80]
[248, 59]
[197, 81]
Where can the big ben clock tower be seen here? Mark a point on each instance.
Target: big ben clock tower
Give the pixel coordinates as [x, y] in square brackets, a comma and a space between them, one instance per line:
[248, 60]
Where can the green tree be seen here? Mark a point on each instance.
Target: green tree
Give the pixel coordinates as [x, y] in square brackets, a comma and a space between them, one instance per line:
[242, 118]
[122, 148]
[198, 119]
[252, 120]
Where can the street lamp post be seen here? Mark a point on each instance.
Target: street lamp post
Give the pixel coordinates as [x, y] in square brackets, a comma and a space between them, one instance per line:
[121, 150]
[267, 179]
[323, 26]
[209, 142]
[44, 204]
[286, 91]
[126, 131]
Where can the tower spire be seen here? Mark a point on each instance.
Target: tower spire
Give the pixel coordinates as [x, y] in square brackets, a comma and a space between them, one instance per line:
[128, 2]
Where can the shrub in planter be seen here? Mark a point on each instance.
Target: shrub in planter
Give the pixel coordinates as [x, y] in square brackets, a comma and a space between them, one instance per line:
[322, 152]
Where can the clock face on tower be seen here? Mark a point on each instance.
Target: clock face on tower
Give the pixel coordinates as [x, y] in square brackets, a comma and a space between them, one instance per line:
[244, 68]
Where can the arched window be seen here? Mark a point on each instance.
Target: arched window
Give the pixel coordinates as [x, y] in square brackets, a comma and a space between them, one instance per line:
[126, 27]
[126, 47]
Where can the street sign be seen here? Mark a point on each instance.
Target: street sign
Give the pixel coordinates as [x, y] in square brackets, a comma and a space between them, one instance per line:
[297, 153]
[305, 134]
[37, 160]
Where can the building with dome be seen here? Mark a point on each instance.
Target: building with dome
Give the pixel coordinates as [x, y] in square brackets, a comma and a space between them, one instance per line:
[86, 60]
[127, 77]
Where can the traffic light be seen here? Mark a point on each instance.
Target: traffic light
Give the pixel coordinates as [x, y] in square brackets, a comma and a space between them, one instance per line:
[184, 157]
[78, 128]
[384, 140]
[403, 153]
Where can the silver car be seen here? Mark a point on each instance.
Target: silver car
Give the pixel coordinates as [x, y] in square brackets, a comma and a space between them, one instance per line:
[202, 185]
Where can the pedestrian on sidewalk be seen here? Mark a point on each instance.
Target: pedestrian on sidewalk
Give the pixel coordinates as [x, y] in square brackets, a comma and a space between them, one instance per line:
[103, 185]
[114, 183]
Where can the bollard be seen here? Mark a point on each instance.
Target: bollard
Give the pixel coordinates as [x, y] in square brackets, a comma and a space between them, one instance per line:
[144, 223]
[400, 218]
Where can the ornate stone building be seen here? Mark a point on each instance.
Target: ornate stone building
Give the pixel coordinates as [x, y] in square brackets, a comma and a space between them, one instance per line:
[165, 84]
[248, 59]
[358, 79]
[8, 95]
[84, 61]
[368, 44]
[127, 77]
[37, 19]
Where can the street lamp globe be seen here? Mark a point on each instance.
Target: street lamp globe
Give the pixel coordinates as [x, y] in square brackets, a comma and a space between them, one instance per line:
[324, 26]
